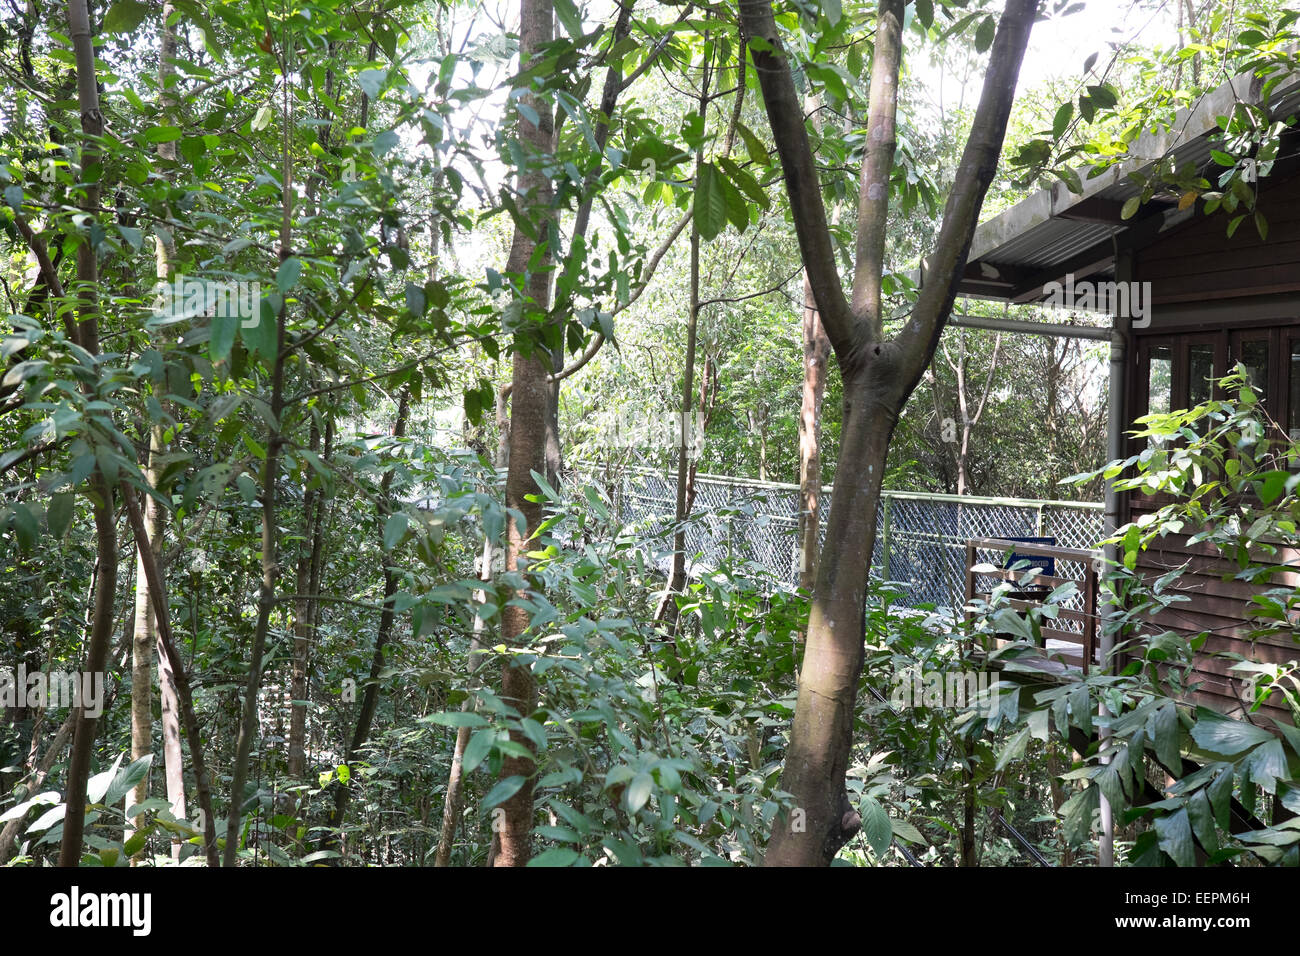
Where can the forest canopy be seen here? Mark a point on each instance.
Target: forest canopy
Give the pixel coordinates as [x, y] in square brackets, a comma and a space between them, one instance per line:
[373, 373]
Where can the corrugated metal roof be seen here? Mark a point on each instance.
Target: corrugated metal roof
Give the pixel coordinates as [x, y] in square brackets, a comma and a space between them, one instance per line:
[1050, 242]
[1036, 233]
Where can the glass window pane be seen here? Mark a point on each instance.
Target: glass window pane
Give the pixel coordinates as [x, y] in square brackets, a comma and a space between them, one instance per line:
[1160, 378]
[1200, 369]
[1294, 423]
[1254, 356]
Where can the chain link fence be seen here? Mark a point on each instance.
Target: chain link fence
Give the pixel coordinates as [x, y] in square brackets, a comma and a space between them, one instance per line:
[920, 538]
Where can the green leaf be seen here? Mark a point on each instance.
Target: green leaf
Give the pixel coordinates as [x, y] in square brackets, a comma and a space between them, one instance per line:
[371, 82]
[569, 18]
[134, 237]
[126, 779]
[58, 517]
[48, 819]
[478, 748]
[222, 339]
[261, 119]
[1062, 120]
[710, 201]
[905, 831]
[925, 13]
[1274, 485]
[737, 208]
[503, 791]
[259, 335]
[984, 34]
[394, 529]
[1076, 814]
[1266, 764]
[1130, 207]
[745, 182]
[125, 16]
[754, 146]
[286, 277]
[1166, 729]
[1220, 793]
[1223, 735]
[876, 828]
[639, 790]
[1103, 95]
[1201, 816]
[321, 855]
[556, 856]
[98, 785]
[1174, 836]
[162, 134]
[832, 10]
[1014, 748]
[456, 718]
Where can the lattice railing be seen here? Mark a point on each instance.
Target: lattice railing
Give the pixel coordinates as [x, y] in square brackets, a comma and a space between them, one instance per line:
[920, 538]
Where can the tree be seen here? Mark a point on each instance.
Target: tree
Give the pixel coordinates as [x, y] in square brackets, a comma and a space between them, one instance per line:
[879, 374]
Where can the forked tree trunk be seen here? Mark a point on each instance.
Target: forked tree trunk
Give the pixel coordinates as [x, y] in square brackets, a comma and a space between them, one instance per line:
[879, 374]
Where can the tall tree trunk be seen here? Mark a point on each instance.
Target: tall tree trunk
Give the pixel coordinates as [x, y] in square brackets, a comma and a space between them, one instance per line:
[534, 440]
[184, 695]
[248, 724]
[451, 806]
[666, 613]
[878, 373]
[302, 623]
[101, 491]
[145, 639]
[534, 387]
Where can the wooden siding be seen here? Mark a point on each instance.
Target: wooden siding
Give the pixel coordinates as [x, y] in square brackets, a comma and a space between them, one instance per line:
[1198, 261]
[1196, 272]
[1221, 606]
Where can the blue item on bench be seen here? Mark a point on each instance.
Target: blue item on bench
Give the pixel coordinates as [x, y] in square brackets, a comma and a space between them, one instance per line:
[1038, 561]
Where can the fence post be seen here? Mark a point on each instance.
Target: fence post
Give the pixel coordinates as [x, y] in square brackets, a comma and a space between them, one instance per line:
[731, 526]
[885, 519]
[1038, 529]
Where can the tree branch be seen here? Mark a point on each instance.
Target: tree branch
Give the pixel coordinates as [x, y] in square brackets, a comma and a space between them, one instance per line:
[877, 163]
[785, 114]
[979, 161]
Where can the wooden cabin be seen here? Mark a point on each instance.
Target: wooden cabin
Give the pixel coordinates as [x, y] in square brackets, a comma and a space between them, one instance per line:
[1214, 301]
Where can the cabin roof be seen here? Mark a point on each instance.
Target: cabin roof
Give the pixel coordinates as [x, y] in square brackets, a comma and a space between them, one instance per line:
[1054, 231]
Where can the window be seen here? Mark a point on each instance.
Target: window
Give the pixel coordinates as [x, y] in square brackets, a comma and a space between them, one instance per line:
[1293, 377]
[1160, 379]
[1174, 371]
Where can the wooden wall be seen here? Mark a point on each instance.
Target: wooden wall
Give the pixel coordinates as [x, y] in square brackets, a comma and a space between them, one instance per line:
[1222, 608]
[1198, 262]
